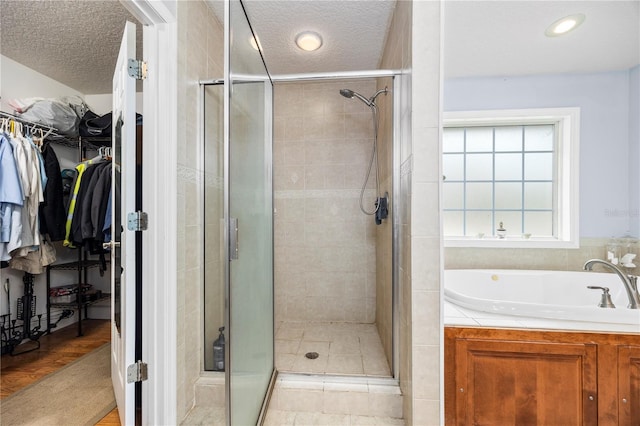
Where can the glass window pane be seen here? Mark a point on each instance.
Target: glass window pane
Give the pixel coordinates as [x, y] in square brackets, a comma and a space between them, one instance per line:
[479, 139]
[508, 138]
[453, 195]
[479, 167]
[538, 195]
[538, 224]
[453, 140]
[508, 195]
[453, 166]
[508, 167]
[479, 195]
[538, 166]
[478, 222]
[453, 223]
[511, 221]
[538, 138]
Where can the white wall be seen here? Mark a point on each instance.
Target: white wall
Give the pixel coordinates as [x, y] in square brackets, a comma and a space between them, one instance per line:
[18, 81]
[103, 103]
[634, 152]
[605, 180]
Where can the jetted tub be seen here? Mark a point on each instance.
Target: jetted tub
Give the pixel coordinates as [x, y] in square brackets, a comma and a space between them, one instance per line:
[561, 295]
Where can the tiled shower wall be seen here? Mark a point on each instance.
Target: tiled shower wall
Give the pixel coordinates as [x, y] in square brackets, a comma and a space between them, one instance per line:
[324, 246]
[426, 241]
[397, 55]
[200, 56]
[413, 46]
[384, 232]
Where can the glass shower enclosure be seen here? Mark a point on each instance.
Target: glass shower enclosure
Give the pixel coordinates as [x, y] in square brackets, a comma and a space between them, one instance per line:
[238, 204]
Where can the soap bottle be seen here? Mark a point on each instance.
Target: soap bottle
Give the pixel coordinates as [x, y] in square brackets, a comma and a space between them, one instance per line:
[501, 232]
[628, 251]
[218, 351]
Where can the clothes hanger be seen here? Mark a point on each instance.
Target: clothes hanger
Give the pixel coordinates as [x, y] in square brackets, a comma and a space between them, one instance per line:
[19, 129]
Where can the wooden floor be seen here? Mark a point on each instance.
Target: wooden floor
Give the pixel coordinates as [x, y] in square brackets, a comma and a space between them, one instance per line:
[56, 350]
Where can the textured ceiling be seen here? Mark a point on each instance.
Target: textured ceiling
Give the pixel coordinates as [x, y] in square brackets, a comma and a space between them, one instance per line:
[499, 38]
[353, 32]
[75, 42]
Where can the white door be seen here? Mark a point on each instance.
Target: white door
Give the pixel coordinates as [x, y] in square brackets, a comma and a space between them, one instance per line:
[123, 264]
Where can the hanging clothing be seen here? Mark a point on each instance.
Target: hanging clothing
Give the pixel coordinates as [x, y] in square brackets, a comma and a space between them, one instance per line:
[82, 228]
[95, 204]
[80, 168]
[52, 214]
[11, 195]
[100, 206]
[23, 238]
[23, 178]
[29, 161]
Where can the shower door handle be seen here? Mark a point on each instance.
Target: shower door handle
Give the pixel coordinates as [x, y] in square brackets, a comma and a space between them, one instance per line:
[233, 238]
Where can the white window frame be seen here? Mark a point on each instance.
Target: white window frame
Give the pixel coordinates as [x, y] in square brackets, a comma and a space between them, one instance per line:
[567, 122]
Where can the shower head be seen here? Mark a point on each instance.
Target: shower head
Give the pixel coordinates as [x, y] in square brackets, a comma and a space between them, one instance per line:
[347, 93]
[350, 94]
[369, 102]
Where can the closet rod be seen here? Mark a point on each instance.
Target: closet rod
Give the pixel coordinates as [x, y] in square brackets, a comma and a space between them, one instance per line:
[80, 143]
[10, 116]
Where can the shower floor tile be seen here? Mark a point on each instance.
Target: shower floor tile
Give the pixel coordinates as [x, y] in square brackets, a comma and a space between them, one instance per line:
[343, 348]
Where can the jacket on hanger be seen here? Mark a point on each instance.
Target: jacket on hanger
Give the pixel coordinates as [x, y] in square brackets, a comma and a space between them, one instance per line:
[52, 215]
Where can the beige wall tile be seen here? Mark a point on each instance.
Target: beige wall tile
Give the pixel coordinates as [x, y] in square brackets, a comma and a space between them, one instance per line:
[426, 263]
[426, 318]
[428, 411]
[200, 52]
[329, 243]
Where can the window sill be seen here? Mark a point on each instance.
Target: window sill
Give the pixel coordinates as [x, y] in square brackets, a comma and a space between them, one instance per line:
[511, 242]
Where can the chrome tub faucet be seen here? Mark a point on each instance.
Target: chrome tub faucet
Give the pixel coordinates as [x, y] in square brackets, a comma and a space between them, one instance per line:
[630, 282]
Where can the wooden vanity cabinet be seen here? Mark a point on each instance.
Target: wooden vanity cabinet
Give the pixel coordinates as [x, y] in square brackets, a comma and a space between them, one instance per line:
[523, 377]
[629, 385]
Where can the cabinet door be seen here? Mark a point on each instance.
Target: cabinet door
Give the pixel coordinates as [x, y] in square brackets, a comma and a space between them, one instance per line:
[629, 385]
[514, 383]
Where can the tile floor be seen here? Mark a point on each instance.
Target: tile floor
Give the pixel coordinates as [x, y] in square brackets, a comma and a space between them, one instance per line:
[343, 348]
[202, 415]
[282, 418]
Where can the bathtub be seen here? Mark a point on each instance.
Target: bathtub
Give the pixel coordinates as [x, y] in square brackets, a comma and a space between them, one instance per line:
[555, 295]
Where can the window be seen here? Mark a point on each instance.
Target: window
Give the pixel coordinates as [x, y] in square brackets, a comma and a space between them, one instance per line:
[515, 168]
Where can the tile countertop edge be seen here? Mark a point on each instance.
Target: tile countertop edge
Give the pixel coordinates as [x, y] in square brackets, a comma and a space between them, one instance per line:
[456, 316]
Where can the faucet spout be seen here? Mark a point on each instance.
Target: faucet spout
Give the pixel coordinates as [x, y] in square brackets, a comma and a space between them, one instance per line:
[629, 282]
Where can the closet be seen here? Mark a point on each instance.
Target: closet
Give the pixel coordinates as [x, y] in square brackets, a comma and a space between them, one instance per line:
[68, 180]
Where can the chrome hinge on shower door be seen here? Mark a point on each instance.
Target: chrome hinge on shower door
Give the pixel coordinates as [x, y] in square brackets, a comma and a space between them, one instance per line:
[137, 372]
[233, 238]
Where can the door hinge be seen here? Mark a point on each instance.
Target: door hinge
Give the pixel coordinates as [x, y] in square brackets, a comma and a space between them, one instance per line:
[137, 372]
[137, 69]
[137, 221]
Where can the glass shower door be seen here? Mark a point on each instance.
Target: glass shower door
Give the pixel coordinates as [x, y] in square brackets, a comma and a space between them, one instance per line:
[251, 267]
[250, 214]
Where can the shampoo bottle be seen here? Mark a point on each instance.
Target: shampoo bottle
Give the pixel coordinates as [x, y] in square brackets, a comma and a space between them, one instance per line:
[218, 351]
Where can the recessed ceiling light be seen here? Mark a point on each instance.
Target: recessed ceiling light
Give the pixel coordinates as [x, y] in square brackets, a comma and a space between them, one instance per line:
[309, 41]
[564, 25]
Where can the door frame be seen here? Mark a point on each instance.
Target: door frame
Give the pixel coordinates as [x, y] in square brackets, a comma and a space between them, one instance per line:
[159, 268]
